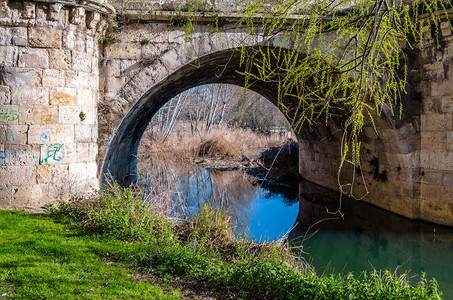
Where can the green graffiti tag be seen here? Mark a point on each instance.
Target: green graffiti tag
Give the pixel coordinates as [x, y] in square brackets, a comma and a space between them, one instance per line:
[54, 154]
[8, 115]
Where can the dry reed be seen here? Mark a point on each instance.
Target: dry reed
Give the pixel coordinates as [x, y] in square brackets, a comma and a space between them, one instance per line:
[222, 142]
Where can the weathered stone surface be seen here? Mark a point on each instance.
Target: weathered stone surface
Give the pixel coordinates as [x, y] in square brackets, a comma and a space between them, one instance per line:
[78, 172]
[70, 153]
[85, 187]
[39, 134]
[81, 61]
[92, 19]
[8, 55]
[123, 51]
[22, 77]
[5, 196]
[53, 78]
[4, 95]
[5, 35]
[29, 95]
[21, 155]
[62, 134]
[52, 173]
[69, 114]
[446, 104]
[29, 10]
[42, 37]
[77, 16]
[170, 59]
[9, 114]
[30, 197]
[14, 134]
[80, 80]
[73, 40]
[59, 59]
[86, 98]
[48, 65]
[450, 141]
[435, 140]
[63, 96]
[437, 122]
[19, 175]
[38, 114]
[83, 134]
[54, 11]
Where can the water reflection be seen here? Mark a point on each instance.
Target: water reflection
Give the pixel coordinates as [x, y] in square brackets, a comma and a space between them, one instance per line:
[366, 238]
[257, 209]
[369, 237]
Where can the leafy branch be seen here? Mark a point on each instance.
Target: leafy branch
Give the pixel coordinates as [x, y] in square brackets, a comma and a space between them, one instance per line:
[337, 55]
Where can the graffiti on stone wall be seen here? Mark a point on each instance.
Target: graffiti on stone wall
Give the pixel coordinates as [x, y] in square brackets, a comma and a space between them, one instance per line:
[8, 115]
[44, 137]
[9, 132]
[54, 154]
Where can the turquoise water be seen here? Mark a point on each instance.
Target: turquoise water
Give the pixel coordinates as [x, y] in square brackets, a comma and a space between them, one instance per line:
[366, 238]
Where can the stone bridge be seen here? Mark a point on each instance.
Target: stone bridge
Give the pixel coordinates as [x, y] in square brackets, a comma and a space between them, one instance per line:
[73, 109]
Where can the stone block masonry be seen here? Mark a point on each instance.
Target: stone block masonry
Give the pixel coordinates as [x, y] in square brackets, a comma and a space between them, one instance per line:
[52, 82]
[48, 102]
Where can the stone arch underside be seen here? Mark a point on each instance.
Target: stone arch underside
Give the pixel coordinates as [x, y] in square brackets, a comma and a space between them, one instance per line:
[391, 185]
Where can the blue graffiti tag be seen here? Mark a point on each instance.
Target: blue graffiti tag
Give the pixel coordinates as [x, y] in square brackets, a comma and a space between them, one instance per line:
[6, 134]
[45, 136]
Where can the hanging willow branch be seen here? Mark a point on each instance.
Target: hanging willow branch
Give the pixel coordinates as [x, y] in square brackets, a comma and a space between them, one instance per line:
[330, 56]
[353, 57]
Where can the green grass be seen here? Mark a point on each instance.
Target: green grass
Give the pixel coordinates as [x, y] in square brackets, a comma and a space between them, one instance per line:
[42, 259]
[117, 232]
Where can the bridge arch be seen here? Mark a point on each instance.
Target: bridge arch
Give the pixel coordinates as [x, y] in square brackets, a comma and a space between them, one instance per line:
[217, 67]
[389, 156]
[155, 61]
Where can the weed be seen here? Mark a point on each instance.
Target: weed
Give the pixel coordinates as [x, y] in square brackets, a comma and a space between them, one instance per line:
[177, 21]
[145, 42]
[109, 39]
[82, 116]
[222, 142]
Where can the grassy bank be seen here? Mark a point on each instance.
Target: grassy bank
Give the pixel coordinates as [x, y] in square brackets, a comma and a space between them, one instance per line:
[116, 233]
[40, 259]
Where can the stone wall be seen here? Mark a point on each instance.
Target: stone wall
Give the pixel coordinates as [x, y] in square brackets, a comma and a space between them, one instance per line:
[48, 102]
[436, 127]
[53, 80]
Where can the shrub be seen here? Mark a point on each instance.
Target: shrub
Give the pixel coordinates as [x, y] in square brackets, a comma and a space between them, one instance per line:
[117, 212]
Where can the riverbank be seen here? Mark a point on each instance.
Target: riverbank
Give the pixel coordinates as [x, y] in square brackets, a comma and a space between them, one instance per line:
[118, 229]
[269, 156]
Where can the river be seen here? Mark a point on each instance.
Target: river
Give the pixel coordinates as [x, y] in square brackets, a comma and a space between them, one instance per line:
[360, 237]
